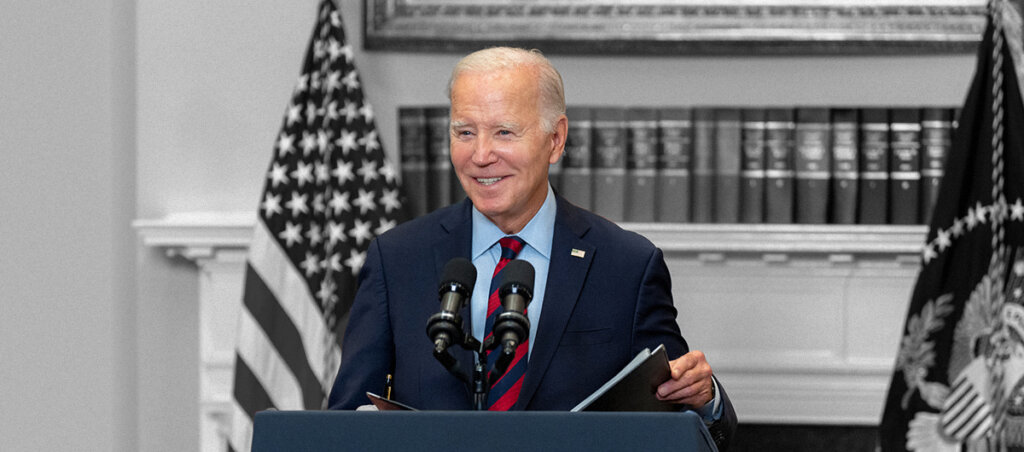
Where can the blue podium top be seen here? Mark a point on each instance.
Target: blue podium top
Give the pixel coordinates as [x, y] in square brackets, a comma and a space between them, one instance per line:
[423, 431]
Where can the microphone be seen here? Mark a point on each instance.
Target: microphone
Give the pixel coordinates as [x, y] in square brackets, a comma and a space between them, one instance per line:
[515, 291]
[457, 281]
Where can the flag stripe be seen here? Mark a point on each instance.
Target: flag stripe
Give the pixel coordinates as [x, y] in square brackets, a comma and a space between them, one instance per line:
[966, 419]
[957, 400]
[291, 291]
[249, 392]
[240, 438]
[266, 364]
[287, 339]
[977, 420]
[982, 429]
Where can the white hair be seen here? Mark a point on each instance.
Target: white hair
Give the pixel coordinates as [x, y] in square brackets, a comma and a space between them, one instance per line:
[552, 94]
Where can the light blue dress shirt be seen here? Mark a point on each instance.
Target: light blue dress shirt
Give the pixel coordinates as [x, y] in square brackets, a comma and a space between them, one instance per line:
[486, 252]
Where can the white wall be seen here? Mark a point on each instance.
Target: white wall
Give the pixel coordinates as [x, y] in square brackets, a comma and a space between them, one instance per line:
[116, 109]
[67, 308]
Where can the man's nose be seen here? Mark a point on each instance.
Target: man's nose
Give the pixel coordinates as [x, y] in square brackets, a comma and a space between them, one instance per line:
[483, 151]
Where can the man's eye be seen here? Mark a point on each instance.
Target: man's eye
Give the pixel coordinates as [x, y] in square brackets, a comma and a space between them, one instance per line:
[504, 132]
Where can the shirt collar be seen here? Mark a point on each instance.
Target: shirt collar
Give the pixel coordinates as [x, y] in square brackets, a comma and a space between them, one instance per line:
[537, 233]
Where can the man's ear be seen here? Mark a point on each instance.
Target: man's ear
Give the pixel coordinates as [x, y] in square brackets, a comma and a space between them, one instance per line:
[558, 137]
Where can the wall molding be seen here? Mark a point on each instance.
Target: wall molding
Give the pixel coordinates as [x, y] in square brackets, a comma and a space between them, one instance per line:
[195, 234]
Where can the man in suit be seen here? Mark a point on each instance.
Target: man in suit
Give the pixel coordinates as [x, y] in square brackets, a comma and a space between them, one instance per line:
[601, 294]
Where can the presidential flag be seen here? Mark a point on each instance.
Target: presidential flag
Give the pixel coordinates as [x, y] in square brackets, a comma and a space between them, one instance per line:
[327, 193]
[958, 382]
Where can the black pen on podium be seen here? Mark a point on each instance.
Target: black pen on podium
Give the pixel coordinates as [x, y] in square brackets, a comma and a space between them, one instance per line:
[389, 381]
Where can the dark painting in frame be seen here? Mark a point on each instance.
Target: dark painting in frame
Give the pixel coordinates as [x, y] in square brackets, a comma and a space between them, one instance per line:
[675, 27]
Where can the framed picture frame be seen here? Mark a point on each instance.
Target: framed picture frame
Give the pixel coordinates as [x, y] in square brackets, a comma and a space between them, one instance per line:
[674, 27]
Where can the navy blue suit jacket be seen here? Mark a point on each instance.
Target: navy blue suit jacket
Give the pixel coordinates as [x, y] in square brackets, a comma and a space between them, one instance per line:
[600, 310]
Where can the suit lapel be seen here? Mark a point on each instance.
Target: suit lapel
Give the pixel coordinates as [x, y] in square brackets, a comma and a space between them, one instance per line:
[570, 261]
[455, 241]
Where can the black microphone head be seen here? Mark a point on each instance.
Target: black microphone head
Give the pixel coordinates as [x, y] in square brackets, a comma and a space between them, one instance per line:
[459, 275]
[517, 275]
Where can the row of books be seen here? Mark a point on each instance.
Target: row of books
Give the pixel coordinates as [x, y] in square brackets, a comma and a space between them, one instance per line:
[840, 165]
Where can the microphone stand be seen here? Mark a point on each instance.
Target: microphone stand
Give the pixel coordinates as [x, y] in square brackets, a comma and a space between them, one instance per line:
[480, 382]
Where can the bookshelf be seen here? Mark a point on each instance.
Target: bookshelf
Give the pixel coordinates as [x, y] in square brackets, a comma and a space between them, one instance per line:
[704, 164]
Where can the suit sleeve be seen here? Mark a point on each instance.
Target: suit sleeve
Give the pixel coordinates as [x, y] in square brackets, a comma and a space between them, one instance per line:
[655, 318]
[656, 323]
[368, 347]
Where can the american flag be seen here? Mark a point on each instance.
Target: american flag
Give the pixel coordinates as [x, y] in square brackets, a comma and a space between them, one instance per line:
[328, 192]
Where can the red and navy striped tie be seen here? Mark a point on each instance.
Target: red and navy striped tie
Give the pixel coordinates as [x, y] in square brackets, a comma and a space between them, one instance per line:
[504, 391]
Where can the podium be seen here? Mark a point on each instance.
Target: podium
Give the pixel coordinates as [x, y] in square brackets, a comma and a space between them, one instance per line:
[423, 431]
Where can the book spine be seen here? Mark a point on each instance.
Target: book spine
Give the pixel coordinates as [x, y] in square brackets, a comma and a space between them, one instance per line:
[727, 165]
[610, 163]
[752, 171]
[675, 151]
[439, 187]
[813, 165]
[703, 198]
[936, 133]
[845, 166]
[412, 145]
[905, 166]
[641, 164]
[873, 205]
[779, 175]
[577, 170]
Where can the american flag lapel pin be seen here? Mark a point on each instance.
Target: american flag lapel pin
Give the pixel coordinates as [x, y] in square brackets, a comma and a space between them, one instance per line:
[577, 253]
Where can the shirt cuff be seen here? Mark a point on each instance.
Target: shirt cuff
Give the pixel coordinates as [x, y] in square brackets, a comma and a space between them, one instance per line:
[712, 411]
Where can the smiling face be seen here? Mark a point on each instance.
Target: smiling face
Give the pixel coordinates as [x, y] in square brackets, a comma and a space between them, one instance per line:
[499, 148]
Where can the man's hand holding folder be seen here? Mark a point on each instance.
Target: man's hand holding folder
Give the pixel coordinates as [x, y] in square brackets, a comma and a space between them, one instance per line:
[690, 383]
